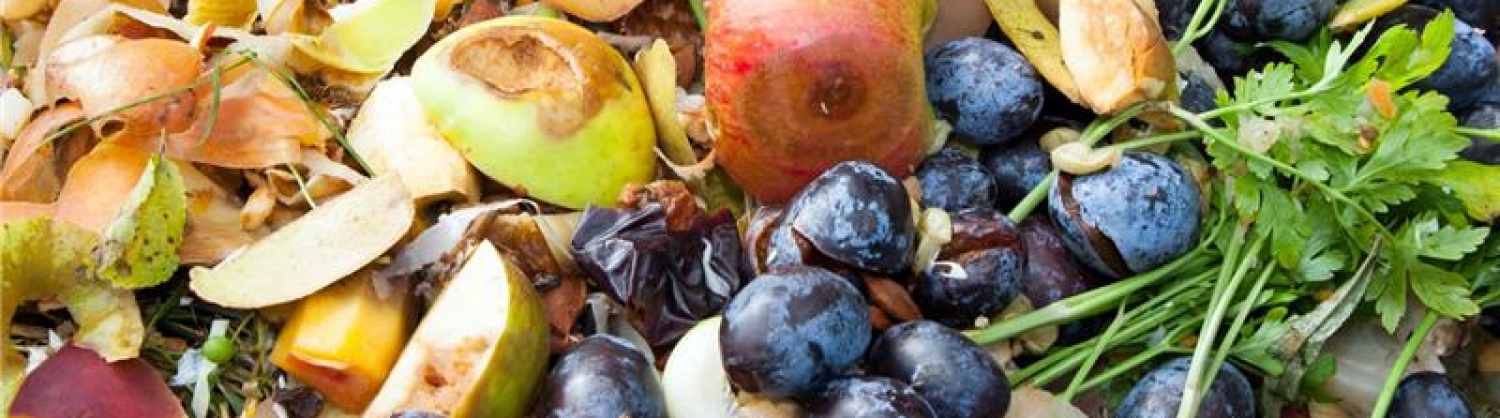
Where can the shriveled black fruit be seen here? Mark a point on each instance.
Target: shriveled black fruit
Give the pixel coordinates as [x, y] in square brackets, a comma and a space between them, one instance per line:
[953, 181]
[976, 275]
[1159, 393]
[1428, 395]
[603, 377]
[956, 377]
[868, 397]
[1138, 215]
[854, 213]
[792, 330]
[1052, 274]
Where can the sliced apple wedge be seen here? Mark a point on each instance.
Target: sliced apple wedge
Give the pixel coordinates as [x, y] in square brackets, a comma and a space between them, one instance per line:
[323, 246]
[480, 351]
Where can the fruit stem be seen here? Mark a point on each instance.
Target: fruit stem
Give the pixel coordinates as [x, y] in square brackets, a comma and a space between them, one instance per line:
[1086, 304]
[1228, 284]
[1398, 369]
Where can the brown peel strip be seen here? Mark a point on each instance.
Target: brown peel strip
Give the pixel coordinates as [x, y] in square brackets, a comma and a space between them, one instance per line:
[1037, 39]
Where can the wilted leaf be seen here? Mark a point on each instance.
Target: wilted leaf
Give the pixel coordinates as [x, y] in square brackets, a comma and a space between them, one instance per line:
[140, 245]
[1477, 185]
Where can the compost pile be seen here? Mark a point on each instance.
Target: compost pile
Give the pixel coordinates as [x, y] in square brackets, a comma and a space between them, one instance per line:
[749, 208]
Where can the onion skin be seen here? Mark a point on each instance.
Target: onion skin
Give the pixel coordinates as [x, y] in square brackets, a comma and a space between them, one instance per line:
[789, 99]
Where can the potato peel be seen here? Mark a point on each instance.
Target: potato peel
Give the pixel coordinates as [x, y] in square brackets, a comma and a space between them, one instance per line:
[325, 245]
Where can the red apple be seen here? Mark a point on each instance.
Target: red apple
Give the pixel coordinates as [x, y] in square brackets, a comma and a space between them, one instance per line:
[76, 382]
[796, 86]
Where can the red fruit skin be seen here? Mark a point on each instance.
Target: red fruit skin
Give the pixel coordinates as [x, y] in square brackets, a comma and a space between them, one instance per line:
[76, 383]
[796, 86]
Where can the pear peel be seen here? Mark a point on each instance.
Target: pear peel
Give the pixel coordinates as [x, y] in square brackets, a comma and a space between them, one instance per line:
[325, 245]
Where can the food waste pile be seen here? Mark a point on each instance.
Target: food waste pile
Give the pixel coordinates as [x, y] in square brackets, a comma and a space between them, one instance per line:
[750, 208]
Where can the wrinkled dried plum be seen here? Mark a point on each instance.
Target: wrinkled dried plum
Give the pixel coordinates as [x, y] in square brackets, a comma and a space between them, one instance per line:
[668, 269]
[977, 274]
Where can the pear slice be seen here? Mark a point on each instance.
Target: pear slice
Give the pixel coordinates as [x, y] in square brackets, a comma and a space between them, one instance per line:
[325, 245]
[480, 351]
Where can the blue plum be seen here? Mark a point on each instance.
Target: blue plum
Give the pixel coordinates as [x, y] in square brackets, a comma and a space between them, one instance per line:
[792, 330]
[956, 377]
[953, 181]
[868, 397]
[1483, 14]
[1141, 213]
[1018, 167]
[1428, 395]
[987, 90]
[1159, 393]
[603, 377]
[1276, 20]
[854, 213]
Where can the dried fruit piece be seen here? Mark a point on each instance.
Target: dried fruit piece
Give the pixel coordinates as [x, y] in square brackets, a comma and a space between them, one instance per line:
[541, 105]
[480, 351]
[323, 246]
[664, 259]
[1116, 53]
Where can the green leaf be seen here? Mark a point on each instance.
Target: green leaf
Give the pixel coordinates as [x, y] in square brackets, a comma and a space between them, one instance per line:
[1452, 243]
[1476, 185]
[1406, 57]
[1318, 373]
[1442, 291]
[140, 245]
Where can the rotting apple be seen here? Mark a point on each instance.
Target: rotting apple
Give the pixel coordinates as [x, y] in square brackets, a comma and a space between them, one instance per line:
[795, 87]
[541, 105]
[481, 351]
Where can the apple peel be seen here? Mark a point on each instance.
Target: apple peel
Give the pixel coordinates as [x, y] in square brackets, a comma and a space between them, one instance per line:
[325, 245]
[392, 134]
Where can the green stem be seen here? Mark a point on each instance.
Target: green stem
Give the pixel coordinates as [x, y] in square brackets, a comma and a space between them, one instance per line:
[333, 128]
[699, 14]
[1196, 27]
[1492, 134]
[1091, 135]
[1195, 384]
[1093, 357]
[1233, 334]
[1398, 369]
[1154, 140]
[1083, 305]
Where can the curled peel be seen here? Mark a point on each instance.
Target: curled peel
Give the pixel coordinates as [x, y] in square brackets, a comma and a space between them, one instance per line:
[1035, 36]
[1116, 53]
